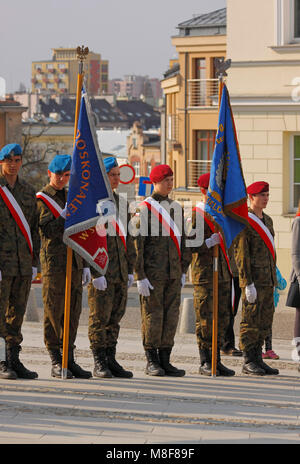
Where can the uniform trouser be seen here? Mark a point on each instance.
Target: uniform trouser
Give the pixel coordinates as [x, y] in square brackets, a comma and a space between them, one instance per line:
[203, 304]
[14, 293]
[54, 308]
[257, 318]
[160, 313]
[106, 311]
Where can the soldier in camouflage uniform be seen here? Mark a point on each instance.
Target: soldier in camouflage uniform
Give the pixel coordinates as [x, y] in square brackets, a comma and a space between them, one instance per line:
[18, 265]
[257, 274]
[202, 275]
[53, 257]
[107, 295]
[160, 271]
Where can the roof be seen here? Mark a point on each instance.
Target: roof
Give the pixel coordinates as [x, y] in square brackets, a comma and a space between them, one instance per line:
[214, 21]
[137, 110]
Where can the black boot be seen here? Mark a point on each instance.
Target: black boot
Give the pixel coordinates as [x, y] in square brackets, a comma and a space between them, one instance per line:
[75, 369]
[205, 362]
[164, 360]
[101, 368]
[56, 361]
[6, 372]
[115, 368]
[223, 370]
[268, 370]
[251, 363]
[153, 367]
[15, 364]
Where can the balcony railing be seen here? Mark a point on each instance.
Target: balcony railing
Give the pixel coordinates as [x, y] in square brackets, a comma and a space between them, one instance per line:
[195, 169]
[202, 93]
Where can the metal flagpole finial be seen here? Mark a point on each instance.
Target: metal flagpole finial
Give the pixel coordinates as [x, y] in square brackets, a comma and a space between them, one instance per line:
[82, 53]
[221, 66]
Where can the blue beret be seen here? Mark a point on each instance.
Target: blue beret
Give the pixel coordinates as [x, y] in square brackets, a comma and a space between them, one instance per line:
[110, 163]
[60, 163]
[10, 149]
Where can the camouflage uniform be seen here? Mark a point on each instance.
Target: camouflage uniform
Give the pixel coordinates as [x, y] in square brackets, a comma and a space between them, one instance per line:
[53, 257]
[108, 307]
[202, 275]
[255, 265]
[158, 261]
[16, 261]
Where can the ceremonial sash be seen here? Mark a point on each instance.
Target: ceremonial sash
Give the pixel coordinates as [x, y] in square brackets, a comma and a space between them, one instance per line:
[17, 214]
[263, 232]
[165, 220]
[200, 208]
[119, 228]
[52, 205]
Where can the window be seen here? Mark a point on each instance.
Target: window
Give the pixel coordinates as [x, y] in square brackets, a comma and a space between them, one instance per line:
[136, 166]
[295, 171]
[297, 19]
[149, 168]
[205, 142]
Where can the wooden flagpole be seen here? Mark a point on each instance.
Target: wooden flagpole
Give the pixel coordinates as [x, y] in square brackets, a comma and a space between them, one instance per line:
[221, 67]
[82, 52]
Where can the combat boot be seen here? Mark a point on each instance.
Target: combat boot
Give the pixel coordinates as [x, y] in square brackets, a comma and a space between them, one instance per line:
[75, 369]
[205, 361]
[251, 363]
[223, 370]
[6, 372]
[56, 361]
[268, 370]
[15, 364]
[115, 368]
[164, 361]
[101, 367]
[153, 367]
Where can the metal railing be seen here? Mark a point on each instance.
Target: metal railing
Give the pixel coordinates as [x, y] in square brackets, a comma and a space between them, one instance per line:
[202, 92]
[195, 169]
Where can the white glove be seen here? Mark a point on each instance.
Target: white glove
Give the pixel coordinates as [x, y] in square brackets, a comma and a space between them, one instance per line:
[213, 240]
[34, 273]
[86, 276]
[100, 283]
[144, 287]
[251, 293]
[183, 277]
[64, 212]
[130, 280]
[0, 276]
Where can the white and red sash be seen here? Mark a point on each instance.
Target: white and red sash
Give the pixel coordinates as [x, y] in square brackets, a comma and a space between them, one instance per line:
[263, 232]
[17, 214]
[119, 228]
[165, 220]
[200, 208]
[52, 204]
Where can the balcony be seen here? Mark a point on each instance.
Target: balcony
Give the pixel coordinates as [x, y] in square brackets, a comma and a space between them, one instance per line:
[195, 169]
[202, 93]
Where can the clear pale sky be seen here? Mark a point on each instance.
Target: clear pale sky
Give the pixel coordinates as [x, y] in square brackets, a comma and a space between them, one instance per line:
[134, 35]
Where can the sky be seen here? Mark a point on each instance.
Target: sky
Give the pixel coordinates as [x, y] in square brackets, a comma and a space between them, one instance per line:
[134, 35]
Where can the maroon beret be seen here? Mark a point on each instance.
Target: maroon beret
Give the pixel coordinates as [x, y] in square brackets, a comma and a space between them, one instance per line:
[160, 172]
[258, 187]
[203, 180]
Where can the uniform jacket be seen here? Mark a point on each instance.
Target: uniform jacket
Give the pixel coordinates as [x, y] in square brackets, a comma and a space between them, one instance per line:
[202, 261]
[157, 256]
[53, 254]
[253, 258]
[121, 261]
[295, 274]
[15, 256]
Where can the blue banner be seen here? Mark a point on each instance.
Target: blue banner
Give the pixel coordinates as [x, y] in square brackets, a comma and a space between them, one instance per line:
[88, 184]
[226, 202]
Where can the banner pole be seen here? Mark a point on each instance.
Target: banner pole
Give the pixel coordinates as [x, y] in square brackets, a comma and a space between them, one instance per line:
[215, 284]
[81, 53]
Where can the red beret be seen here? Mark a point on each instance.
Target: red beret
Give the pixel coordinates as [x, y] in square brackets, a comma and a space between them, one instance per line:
[160, 172]
[258, 187]
[203, 180]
